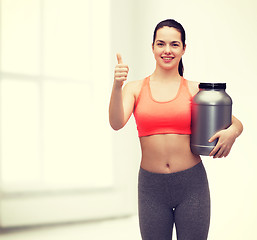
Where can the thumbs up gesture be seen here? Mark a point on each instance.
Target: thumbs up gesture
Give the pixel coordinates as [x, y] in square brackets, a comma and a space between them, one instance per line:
[121, 71]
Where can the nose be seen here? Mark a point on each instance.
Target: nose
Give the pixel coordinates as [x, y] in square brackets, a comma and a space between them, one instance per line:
[167, 49]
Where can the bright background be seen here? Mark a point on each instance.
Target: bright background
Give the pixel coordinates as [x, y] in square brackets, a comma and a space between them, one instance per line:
[57, 149]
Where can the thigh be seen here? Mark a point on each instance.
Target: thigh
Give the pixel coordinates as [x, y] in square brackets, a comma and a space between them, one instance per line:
[192, 216]
[156, 220]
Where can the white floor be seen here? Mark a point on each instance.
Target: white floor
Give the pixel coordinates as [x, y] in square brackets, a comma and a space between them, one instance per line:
[115, 229]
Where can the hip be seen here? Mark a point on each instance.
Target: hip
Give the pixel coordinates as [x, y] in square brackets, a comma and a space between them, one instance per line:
[192, 180]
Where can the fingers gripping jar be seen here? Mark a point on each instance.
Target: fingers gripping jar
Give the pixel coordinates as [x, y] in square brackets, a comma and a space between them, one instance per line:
[211, 112]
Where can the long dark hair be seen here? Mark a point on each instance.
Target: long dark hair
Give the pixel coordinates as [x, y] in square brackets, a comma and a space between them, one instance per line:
[174, 24]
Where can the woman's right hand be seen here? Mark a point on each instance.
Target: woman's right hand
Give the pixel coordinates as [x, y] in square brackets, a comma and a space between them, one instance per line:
[122, 99]
[121, 72]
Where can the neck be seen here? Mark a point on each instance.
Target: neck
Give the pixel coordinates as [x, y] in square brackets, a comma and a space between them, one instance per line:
[166, 75]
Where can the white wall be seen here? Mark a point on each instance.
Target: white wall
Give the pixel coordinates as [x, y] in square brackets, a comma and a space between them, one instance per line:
[221, 47]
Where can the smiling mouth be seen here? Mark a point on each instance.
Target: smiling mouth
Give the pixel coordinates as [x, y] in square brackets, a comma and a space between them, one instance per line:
[167, 58]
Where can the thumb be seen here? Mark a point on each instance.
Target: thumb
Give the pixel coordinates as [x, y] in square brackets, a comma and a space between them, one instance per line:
[119, 58]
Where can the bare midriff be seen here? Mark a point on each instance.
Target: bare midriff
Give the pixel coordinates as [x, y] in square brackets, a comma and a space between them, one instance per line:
[167, 153]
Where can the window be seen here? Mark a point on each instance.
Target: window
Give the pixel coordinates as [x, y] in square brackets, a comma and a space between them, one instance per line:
[53, 98]
[54, 88]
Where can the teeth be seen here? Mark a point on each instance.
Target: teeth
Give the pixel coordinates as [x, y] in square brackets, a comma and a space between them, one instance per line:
[167, 57]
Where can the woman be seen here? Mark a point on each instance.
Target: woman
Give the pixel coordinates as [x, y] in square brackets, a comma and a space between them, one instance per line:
[173, 186]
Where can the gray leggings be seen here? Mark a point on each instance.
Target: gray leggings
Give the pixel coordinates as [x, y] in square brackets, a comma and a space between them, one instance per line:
[182, 198]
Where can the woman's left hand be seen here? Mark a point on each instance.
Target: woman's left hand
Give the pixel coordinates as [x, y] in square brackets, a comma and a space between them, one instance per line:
[226, 139]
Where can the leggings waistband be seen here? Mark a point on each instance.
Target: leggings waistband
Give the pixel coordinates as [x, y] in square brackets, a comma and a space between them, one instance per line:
[182, 177]
[196, 167]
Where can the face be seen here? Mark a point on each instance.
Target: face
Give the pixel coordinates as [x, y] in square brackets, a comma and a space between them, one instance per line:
[168, 48]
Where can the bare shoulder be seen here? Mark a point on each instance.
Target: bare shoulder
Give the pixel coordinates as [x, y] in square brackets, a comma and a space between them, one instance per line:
[134, 87]
[193, 87]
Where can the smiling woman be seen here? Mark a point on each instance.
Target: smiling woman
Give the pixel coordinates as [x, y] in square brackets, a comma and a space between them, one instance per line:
[176, 38]
[172, 183]
[168, 48]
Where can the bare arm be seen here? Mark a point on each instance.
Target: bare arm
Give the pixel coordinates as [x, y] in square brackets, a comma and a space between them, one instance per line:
[122, 100]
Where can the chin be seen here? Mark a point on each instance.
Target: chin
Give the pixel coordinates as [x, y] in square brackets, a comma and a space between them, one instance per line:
[168, 67]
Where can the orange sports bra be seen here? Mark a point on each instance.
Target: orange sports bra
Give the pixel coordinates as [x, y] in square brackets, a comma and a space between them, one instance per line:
[171, 117]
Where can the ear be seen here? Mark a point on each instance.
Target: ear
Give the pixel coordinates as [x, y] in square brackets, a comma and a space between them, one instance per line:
[152, 46]
[184, 49]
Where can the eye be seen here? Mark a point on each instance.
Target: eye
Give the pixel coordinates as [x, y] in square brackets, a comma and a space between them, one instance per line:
[175, 45]
[160, 44]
